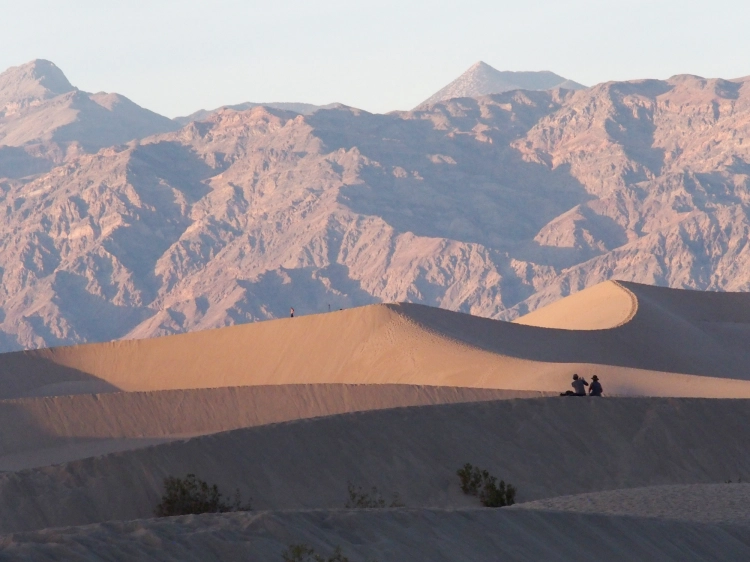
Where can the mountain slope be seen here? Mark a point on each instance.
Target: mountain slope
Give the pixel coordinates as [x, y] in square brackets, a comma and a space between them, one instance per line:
[43, 114]
[30, 84]
[481, 80]
[493, 206]
[254, 212]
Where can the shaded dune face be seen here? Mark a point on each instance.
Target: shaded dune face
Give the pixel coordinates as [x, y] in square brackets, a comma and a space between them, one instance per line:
[640, 340]
[50, 430]
[415, 535]
[546, 447]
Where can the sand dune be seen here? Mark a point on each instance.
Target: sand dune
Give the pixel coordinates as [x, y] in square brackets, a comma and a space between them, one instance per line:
[704, 503]
[50, 430]
[659, 342]
[546, 447]
[396, 396]
[416, 535]
[603, 306]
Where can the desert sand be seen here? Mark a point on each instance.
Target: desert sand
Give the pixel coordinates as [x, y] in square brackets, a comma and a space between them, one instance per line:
[397, 396]
[546, 447]
[702, 503]
[51, 430]
[414, 535]
[657, 342]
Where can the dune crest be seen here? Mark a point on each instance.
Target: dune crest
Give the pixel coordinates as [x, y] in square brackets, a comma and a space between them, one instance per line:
[601, 307]
[664, 342]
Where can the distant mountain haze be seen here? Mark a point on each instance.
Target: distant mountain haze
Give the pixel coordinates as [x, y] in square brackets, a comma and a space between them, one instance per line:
[301, 108]
[42, 114]
[481, 80]
[495, 205]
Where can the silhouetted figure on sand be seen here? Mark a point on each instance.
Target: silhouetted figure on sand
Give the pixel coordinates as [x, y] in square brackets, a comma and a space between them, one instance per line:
[291, 313]
[596, 387]
[579, 385]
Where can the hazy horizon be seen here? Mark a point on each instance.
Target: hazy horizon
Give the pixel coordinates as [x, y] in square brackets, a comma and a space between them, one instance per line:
[178, 57]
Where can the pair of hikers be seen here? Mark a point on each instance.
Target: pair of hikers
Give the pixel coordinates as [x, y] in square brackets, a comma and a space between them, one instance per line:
[579, 384]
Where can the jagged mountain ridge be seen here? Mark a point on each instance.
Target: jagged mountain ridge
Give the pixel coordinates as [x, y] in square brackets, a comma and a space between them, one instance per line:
[481, 80]
[296, 107]
[493, 206]
[44, 118]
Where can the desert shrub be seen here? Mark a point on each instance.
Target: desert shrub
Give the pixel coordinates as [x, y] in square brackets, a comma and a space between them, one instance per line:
[183, 496]
[480, 483]
[303, 553]
[471, 479]
[358, 498]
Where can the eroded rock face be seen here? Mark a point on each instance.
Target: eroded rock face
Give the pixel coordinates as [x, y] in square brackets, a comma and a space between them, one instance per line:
[493, 206]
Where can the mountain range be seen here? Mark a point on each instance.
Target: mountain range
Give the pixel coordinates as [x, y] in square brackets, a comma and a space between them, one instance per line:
[301, 108]
[494, 205]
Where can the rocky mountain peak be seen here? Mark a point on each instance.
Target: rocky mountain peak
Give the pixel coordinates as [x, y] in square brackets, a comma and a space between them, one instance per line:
[480, 66]
[44, 119]
[481, 80]
[30, 83]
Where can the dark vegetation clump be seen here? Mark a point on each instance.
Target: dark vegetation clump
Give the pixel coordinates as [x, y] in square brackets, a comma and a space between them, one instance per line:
[480, 483]
[358, 498]
[183, 496]
[303, 553]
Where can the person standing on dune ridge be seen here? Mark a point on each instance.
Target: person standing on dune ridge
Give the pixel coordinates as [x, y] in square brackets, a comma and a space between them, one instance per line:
[291, 313]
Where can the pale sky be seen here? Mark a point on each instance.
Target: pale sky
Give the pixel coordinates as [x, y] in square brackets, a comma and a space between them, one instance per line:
[178, 56]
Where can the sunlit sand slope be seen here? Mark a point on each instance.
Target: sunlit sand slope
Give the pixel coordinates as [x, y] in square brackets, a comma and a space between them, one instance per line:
[668, 343]
[546, 447]
[705, 503]
[416, 535]
[603, 306]
[42, 431]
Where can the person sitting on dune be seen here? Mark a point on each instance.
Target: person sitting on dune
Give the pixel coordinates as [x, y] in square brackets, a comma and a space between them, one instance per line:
[596, 387]
[579, 384]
